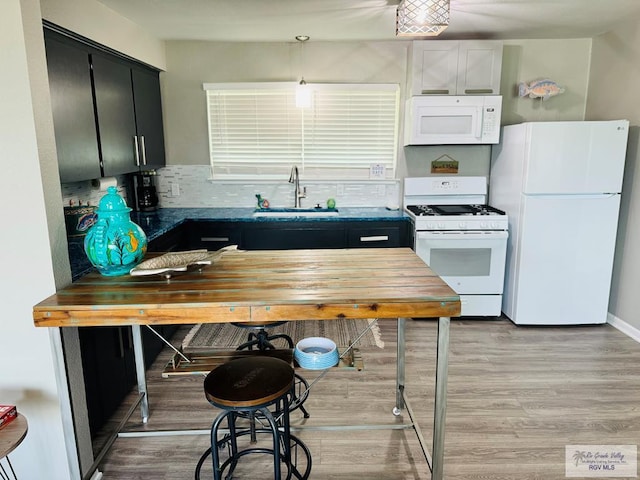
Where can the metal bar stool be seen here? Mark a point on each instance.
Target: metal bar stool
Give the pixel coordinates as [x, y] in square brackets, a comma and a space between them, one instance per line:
[261, 387]
[261, 337]
[262, 340]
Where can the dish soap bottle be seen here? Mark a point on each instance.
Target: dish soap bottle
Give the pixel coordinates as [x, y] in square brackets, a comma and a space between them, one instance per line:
[114, 244]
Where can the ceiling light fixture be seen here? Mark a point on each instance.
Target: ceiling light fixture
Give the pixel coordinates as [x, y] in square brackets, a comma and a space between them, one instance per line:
[417, 18]
[303, 92]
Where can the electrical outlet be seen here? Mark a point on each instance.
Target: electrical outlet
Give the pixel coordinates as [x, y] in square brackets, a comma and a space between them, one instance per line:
[376, 170]
[340, 190]
[175, 189]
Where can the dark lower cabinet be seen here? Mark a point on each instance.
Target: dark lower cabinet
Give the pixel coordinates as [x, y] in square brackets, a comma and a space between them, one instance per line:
[289, 235]
[293, 235]
[325, 234]
[379, 235]
[213, 235]
[109, 372]
[108, 357]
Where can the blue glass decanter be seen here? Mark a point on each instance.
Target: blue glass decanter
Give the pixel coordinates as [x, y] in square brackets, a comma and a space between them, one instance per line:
[114, 244]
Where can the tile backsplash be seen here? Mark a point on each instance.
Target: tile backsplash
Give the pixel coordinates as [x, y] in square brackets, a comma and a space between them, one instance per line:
[189, 186]
[88, 192]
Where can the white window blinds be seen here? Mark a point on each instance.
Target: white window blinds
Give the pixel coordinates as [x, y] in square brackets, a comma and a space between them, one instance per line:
[256, 130]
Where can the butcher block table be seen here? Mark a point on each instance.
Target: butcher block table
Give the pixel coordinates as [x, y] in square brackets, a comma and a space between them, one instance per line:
[273, 285]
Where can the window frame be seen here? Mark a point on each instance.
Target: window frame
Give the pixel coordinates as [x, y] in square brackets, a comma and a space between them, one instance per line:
[382, 143]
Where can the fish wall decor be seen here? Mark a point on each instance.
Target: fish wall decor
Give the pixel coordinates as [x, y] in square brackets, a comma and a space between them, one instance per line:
[543, 89]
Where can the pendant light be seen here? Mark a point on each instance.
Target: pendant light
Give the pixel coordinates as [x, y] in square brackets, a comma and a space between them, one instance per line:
[416, 18]
[303, 92]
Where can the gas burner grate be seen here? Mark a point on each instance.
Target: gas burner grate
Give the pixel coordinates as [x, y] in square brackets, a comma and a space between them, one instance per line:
[453, 210]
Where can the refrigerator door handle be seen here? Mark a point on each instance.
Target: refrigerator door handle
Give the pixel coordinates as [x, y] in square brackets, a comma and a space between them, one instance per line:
[587, 196]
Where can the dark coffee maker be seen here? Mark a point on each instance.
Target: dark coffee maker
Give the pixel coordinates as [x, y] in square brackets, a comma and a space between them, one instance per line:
[146, 191]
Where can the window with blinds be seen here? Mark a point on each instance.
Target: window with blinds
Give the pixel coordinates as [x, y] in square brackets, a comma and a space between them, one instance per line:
[257, 132]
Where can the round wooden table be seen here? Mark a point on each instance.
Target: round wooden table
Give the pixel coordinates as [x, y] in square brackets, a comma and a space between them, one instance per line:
[10, 437]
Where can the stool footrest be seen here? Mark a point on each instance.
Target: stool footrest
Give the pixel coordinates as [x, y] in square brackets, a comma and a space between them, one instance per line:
[292, 467]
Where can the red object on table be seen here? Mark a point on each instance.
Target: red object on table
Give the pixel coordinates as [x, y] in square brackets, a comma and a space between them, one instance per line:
[7, 414]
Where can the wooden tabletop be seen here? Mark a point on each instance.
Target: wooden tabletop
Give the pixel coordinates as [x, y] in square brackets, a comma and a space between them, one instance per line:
[12, 434]
[260, 286]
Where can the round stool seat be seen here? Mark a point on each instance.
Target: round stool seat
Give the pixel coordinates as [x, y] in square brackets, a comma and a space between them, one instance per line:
[248, 382]
[257, 326]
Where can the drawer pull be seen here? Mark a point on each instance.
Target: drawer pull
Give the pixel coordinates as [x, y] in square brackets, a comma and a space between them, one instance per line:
[375, 238]
[214, 239]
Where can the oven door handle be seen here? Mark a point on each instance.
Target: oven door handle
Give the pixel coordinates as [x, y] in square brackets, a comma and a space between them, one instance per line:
[465, 235]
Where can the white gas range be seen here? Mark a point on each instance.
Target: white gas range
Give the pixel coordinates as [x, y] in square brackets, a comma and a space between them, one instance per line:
[461, 238]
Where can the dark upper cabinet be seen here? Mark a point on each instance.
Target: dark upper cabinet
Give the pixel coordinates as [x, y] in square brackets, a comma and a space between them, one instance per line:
[116, 115]
[148, 110]
[72, 104]
[107, 110]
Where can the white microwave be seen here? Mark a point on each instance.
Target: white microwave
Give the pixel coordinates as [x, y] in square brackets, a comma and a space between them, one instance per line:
[452, 120]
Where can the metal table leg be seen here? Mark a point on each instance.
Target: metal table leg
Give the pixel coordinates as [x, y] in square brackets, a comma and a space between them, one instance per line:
[400, 367]
[140, 372]
[440, 406]
[4, 474]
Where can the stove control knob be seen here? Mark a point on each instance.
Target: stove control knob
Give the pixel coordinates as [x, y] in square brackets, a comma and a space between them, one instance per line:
[462, 225]
[430, 226]
[495, 225]
[441, 225]
[484, 225]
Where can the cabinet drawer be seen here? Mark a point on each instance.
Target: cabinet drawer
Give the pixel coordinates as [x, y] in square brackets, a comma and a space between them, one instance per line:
[213, 235]
[375, 237]
[172, 241]
[283, 236]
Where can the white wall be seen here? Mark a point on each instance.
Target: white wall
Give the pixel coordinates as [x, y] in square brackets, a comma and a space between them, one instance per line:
[614, 93]
[95, 21]
[566, 62]
[28, 377]
[190, 64]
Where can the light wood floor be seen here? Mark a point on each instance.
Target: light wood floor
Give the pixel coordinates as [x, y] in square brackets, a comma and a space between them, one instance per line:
[516, 397]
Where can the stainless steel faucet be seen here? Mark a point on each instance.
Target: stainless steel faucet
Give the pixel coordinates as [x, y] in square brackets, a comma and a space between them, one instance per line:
[297, 193]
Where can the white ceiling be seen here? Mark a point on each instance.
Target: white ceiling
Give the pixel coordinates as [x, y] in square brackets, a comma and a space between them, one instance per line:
[326, 20]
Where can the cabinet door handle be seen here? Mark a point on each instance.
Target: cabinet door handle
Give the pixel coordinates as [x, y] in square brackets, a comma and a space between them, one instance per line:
[375, 238]
[135, 143]
[478, 91]
[120, 343]
[143, 149]
[214, 239]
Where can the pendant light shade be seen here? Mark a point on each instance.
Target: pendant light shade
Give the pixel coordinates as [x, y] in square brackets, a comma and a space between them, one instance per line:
[417, 18]
[303, 92]
[303, 95]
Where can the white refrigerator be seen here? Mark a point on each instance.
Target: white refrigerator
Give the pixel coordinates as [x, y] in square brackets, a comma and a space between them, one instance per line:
[560, 184]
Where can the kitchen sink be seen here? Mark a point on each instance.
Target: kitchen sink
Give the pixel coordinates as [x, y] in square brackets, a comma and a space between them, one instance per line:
[296, 212]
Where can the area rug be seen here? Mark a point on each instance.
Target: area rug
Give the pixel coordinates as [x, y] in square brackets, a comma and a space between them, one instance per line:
[225, 335]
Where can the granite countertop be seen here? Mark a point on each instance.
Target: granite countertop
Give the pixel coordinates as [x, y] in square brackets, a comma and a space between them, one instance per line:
[163, 220]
